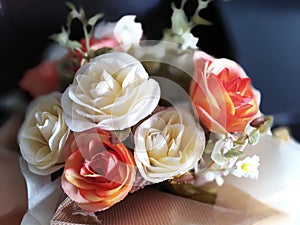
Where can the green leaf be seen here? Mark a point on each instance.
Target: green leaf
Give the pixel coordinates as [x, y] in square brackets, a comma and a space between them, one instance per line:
[241, 140]
[233, 153]
[93, 20]
[209, 147]
[202, 5]
[217, 153]
[70, 5]
[82, 17]
[71, 16]
[62, 38]
[75, 14]
[254, 137]
[73, 44]
[103, 50]
[200, 21]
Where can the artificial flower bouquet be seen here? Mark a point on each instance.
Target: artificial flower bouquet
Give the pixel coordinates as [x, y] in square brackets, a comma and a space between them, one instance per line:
[114, 113]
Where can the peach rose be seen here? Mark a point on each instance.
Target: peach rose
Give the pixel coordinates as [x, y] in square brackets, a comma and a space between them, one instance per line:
[41, 79]
[223, 96]
[98, 174]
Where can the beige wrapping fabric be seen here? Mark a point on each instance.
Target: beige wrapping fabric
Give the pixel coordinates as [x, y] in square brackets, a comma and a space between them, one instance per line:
[152, 207]
[144, 207]
[13, 194]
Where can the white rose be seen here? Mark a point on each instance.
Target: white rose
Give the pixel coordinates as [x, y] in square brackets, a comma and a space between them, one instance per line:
[43, 134]
[112, 92]
[168, 144]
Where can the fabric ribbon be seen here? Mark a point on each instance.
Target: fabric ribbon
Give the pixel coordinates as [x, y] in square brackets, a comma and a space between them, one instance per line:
[152, 207]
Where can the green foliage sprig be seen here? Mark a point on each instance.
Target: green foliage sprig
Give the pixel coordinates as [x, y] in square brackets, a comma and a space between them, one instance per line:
[88, 24]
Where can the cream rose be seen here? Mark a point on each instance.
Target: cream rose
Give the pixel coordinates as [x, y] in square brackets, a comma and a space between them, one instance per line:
[112, 92]
[43, 134]
[168, 144]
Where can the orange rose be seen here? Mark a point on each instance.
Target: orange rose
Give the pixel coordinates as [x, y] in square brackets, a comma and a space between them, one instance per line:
[41, 79]
[223, 96]
[98, 174]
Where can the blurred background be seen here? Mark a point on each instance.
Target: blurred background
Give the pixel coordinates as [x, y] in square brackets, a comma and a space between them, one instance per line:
[265, 35]
[262, 35]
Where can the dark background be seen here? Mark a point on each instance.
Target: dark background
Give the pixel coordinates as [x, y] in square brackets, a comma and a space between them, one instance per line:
[266, 38]
[262, 35]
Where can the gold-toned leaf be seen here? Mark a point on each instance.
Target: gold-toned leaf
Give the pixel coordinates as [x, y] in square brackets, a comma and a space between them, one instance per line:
[282, 133]
[206, 193]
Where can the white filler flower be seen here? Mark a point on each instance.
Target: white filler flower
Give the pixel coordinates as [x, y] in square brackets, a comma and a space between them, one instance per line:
[247, 167]
[127, 31]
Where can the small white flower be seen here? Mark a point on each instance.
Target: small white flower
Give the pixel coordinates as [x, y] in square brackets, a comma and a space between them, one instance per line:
[43, 134]
[214, 175]
[247, 167]
[127, 31]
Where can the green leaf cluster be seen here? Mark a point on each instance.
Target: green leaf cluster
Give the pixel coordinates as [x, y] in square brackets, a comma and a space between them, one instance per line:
[180, 31]
[88, 24]
[259, 126]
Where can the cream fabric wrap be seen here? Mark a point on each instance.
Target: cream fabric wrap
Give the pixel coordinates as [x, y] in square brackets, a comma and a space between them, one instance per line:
[237, 201]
